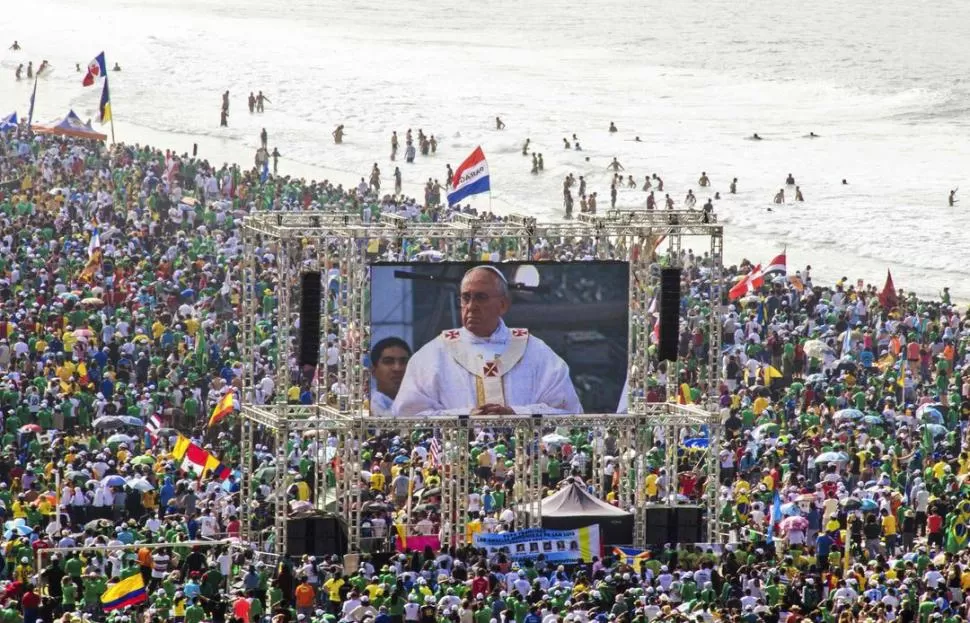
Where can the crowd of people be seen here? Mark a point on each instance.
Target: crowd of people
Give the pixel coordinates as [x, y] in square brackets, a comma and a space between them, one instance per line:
[842, 473]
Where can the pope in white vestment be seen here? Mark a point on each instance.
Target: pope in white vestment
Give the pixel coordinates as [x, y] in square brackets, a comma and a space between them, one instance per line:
[472, 370]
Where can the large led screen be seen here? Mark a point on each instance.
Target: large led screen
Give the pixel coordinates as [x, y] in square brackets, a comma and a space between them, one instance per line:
[490, 339]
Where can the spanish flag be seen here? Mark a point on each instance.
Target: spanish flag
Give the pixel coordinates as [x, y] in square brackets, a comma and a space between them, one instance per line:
[128, 592]
[222, 410]
[105, 107]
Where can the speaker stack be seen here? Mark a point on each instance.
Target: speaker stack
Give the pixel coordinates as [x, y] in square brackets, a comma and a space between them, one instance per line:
[669, 313]
[311, 299]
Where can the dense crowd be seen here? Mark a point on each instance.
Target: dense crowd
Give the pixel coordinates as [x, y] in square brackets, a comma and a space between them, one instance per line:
[842, 476]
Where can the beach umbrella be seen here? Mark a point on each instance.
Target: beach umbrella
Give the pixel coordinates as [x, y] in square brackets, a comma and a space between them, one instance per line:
[265, 473]
[850, 504]
[80, 476]
[849, 414]
[16, 527]
[873, 420]
[936, 430]
[929, 414]
[114, 480]
[765, 430]
[794, 523]
[107, 421]
[816, 349]
[831, 457]
[140, 484]
[98, 524]
[30, 428]
[868, 506]
[131, 420]
[555, 439]
[120, 438]
[144, 459]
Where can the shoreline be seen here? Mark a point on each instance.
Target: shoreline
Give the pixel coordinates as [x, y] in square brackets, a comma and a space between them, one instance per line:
[826, 266]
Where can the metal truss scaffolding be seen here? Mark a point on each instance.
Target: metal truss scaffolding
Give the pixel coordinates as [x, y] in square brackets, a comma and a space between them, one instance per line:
[343, 247]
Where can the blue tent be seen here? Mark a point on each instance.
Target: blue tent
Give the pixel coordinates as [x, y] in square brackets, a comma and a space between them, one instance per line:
[9, 122]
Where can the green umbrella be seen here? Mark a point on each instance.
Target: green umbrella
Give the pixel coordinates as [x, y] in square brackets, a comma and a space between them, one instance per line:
[143, 460]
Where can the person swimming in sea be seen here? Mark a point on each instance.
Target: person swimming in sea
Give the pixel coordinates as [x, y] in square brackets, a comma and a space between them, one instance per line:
[338, 134]
[525, 146]
[30, 69]
[565, 143]
[755, 137]
[734, 186]
[43, 65]
[953, 198]
[117, 67]
[499, 124]
[613, 128]
[77, 67]
[20, 70]
[790, 180]
[780, 196]
[704, 180]
[15, 46]
[637, 140]
[844, 182]
[615, 165]
[812, 135]
[798, 194]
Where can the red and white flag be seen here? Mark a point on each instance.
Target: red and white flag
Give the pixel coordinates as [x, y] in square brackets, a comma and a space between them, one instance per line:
[778, 265]
[434, 449]
[751, 282]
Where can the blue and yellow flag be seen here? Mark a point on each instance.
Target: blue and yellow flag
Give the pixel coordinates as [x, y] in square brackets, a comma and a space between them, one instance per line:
[105, 107]
[128, 592]
[631, 556]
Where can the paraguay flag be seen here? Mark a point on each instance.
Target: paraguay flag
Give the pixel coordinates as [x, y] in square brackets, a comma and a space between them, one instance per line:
[96, 69]
[471, 178]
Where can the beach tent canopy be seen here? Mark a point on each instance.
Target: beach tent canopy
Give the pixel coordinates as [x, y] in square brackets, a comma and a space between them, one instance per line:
[573, 507]
[72, 126]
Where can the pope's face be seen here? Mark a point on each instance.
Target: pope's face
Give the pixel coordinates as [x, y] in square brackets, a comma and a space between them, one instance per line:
[482, 302]
[389, 370]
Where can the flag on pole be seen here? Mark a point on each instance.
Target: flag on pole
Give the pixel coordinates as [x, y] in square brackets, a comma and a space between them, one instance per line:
[471, 177]
[97, 68]
[33, 97]
[778, 265]
[775, 518]
[434, 449]
[105, 107]
[9, 122]
[223, 408]
[153, 425]
[888, 298]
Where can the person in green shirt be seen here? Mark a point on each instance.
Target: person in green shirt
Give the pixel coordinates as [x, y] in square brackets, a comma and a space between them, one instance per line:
[194, 613]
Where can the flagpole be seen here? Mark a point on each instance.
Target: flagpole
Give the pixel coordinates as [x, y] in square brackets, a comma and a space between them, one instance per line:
[112, 118]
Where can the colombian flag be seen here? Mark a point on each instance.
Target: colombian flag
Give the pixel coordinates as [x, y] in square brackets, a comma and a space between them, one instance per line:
[222, 410]
[128, 592]
[217, 469]
[105, 107]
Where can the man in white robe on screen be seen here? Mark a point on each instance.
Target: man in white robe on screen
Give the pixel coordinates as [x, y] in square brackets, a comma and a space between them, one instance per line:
[485, 368]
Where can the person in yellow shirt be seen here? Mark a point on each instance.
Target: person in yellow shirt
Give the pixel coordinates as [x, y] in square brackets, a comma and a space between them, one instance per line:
[760, 404]
[18, 509]
[377, 481]
[650, 483]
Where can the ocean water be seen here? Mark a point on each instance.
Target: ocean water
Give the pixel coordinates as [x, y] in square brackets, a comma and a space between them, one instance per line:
[883, 84]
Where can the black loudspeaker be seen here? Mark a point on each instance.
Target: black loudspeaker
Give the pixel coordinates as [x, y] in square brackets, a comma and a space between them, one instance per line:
[310, 303]
[316, 536]
[669, 313]
[675, 525]
[658, 526]
[690, 525]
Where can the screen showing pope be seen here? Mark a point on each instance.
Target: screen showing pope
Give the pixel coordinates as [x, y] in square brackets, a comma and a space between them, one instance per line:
[485, 367]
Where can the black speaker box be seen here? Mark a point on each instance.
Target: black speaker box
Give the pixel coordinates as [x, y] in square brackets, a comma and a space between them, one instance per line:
[310, 304]
[669, 313]
[316, 536]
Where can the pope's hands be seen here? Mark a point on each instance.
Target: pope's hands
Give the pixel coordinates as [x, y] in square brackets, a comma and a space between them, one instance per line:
[493, 409]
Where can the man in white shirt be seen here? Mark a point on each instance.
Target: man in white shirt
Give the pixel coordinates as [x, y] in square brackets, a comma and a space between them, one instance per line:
[485, 368]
